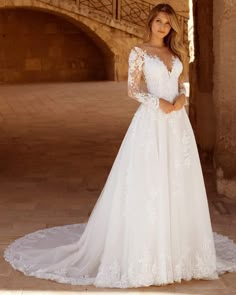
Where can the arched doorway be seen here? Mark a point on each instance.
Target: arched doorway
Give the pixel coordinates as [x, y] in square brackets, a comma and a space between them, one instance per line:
[38, 46]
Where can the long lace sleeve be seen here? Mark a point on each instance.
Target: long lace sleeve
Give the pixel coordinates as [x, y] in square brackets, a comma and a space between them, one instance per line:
[182, 90]
[136, 60]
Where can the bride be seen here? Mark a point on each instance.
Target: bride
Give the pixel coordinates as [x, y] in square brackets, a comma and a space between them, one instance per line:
[151, 223]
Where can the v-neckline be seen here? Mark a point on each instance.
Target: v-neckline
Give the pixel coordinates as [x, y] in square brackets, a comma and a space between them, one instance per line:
[155, 56]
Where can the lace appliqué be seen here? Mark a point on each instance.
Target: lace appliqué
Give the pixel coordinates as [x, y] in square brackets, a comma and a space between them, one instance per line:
[136, 60]
[146, 270]
[182, 90]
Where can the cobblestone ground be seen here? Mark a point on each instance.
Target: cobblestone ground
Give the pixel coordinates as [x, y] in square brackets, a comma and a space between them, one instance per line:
[57, 146]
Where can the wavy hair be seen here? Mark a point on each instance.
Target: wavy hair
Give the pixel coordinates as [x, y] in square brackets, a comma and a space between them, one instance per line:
[174, 39]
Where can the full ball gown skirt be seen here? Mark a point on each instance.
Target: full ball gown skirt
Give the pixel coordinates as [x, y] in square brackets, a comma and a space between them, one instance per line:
[151, 223]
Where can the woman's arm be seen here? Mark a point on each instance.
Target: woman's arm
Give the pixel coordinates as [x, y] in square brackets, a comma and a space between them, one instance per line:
[181, 98]
[136, 60]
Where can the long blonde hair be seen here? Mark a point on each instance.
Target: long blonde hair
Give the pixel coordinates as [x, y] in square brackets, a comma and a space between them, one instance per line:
[174, 39]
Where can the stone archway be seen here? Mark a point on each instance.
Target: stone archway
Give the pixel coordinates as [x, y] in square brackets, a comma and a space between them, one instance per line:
[37, 46]
[113, 43]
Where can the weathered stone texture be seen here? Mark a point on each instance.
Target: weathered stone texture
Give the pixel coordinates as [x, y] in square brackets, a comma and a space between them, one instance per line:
[201, 103]
[111, 39]
[224, 91]
[37, 46]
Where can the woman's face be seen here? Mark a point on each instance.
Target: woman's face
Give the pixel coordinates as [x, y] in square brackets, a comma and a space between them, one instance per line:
[160, 26]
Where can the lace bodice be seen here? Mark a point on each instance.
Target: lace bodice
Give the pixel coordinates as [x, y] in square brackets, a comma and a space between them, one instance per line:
[160, 82]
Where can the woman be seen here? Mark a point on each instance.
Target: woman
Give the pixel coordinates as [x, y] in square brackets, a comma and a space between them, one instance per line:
[151, 223]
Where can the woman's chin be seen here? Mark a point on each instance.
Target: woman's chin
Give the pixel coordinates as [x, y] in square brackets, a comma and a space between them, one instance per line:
[160, 35]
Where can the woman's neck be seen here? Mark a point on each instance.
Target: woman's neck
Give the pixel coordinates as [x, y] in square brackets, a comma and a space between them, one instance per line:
[154, 42]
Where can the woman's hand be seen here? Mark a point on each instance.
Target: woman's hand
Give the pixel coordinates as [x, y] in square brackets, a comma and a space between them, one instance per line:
[179, 102]
[166, 106]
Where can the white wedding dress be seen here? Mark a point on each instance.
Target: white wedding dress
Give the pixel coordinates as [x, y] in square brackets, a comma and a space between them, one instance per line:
[151, 223]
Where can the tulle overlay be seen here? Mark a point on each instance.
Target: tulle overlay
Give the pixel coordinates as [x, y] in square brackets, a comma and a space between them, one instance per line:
[151, 223]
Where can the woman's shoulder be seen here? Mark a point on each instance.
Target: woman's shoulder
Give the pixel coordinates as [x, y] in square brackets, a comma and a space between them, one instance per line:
[139, 46]
[138, 50]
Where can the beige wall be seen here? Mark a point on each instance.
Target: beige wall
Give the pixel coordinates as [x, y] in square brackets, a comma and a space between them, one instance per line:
[224, 93]
[113, 38]
[37, 46]
[213, 88]
[202, 113]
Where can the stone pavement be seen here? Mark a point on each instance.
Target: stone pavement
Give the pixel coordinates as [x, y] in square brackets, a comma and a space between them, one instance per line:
[57, 146]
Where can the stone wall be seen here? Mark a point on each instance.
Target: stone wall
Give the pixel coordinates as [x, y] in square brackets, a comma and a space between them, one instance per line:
[212, 75]
[201, 103]
[112, 39]
[224, 94]
[37, 46]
